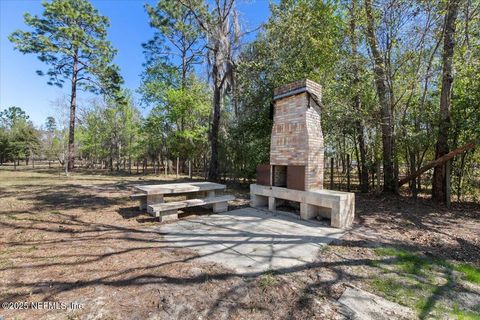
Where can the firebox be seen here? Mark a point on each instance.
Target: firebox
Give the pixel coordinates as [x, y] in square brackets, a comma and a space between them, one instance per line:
[296, 148]
[291, 177]
[279, 176]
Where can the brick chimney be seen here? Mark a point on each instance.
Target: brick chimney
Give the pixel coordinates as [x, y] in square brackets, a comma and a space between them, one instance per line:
[296, 150]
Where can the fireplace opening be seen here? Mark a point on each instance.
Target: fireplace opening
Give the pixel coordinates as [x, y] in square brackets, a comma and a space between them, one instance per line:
[279, 176]
[291, 176]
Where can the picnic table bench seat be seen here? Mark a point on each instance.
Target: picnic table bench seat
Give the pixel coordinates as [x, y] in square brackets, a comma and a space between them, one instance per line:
[161, 210]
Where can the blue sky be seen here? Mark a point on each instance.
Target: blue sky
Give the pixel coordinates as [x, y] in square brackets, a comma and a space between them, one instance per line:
[19, 84]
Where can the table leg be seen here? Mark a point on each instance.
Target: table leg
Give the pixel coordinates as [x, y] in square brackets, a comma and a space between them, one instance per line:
[168, 215]
[209, 194]
[220, 207]
[143, 204]
[154, 198]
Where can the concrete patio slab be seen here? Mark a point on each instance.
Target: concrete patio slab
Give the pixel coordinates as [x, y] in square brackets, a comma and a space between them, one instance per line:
[251, 240]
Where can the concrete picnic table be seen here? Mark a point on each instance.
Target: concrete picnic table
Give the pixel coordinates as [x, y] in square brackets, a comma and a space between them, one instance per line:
[156, 192]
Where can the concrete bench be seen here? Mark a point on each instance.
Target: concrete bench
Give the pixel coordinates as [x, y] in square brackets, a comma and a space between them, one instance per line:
[168, 210]
[338, 206]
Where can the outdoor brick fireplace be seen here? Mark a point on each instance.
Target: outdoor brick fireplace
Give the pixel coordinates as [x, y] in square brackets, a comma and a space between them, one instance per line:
[295, 171]
[296, 150]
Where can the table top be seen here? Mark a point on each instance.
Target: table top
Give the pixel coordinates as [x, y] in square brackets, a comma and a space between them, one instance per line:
[171, 188]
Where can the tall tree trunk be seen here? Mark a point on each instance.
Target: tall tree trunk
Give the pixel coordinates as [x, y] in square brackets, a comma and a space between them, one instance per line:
[190, 173]
[73, 106]
[363, 158]
[110, 163]
[357, 158]
[217, 101]
[389, 183]
[440, 183]
[363, 170]
[413, 167]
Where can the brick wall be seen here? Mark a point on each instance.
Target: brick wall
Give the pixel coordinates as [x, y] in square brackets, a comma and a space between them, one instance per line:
[297, 137]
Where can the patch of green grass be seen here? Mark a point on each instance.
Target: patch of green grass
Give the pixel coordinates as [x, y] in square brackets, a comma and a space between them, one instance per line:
[413, 264]
[464, 314]
[387, 251]
[407, 262]
[388, 286]
[472, 274]
[268, 279]
[404, 291]
[420, 282]
[374, 263]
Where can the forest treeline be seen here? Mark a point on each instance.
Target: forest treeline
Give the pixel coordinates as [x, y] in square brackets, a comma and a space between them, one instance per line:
[401, 87]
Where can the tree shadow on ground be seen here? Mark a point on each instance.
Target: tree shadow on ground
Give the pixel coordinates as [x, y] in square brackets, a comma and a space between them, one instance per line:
[147, 243]
[422, 224]
[146, 258]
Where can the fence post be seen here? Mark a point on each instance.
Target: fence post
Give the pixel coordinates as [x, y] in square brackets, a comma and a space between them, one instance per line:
[205, 166]
[331, 173]
[348, 172]
[190, 168]
[178, 164]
